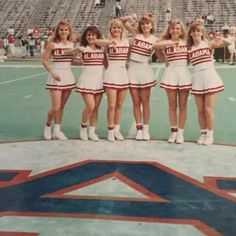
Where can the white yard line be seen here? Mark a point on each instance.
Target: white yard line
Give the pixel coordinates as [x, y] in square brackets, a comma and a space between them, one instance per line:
[28, 96]
[22, 78]
[232, 99]
[21, 66]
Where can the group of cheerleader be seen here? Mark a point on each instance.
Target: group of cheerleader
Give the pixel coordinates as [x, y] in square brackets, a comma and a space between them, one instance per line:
[129, 67]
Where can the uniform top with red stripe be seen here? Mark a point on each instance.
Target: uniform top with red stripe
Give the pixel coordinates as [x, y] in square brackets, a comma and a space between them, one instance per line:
[201, 56]
[118, 55]
[141, 48]
[177, 55]
[60, 60]
[93, 57]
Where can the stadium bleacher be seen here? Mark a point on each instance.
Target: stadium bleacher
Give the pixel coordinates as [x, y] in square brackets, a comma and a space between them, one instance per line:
[25, 14]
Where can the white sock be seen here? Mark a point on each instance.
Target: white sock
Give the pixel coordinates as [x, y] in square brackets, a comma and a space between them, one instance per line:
[57, 127]
[117, 128]
[180, 131]
[92, 129]
[145, 127]
[210, 133]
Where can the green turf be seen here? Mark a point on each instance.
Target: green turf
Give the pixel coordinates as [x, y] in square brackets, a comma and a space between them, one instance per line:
[24, 105]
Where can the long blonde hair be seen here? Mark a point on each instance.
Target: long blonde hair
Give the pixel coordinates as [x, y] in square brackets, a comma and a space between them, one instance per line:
[166, 33]
[56, 36]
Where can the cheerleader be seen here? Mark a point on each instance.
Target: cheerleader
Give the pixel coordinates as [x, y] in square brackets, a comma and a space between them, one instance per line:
[61, 80]
[206, 82]
[90, 84]
[116, 79]
[176, 79]
[141, 76]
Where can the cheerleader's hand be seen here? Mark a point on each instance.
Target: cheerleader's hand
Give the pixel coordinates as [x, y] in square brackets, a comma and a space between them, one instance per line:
[167, 63]
[55, 76]
[175, 43]
[80, 49]
[134, 17]
[113, 43]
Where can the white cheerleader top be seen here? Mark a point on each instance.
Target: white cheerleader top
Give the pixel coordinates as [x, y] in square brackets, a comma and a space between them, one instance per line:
[118, 55]
[201, 56]
[93, 57]
[61, 61]
[141, 48]
[177, 55]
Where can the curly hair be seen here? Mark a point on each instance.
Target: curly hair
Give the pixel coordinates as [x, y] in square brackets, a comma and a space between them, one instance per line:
[91, 29]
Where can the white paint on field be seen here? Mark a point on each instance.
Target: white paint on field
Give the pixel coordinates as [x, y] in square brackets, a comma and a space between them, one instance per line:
[232, 99]
[28, 96]
[22, 78]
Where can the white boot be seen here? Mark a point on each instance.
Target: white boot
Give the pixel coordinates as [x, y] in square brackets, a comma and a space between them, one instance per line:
[139, 135]
[173, 134]
[146, 135]
[111, 135]
[47, 132]
[118, 134]
[202, 137]
[83, 133]
[57, 133]
[92, 135]
[209, 137]
[180, 136]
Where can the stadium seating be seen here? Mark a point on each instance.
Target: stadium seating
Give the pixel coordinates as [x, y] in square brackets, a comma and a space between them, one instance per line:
[25, 14]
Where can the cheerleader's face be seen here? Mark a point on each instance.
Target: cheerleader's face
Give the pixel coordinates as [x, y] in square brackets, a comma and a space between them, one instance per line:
[91, 37]
[196, 34]
[63, 32]
[146, 26]
[175, 31]
[116, 31]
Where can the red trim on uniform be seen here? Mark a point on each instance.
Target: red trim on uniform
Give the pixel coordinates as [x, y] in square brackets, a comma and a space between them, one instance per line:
[90, 64]
[168, 86]
[206, 91]
[201, 61]
[89, 91]
[147, 85]
[60, 87]
[115, 86]
[138, 52]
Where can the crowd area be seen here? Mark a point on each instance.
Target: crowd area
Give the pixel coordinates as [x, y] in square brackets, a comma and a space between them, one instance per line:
[32, 43]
